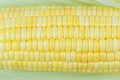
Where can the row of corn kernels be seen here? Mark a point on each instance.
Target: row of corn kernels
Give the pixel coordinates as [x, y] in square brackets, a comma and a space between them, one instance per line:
[59, 56]
[62, 66]
[57, 45]
[97, 21]
[22, 34]
[57, 11]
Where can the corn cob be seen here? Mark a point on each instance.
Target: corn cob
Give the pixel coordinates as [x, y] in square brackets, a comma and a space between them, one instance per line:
[73, 39]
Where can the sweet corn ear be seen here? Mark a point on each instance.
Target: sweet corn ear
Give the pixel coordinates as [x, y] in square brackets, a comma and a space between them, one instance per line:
[63, 39]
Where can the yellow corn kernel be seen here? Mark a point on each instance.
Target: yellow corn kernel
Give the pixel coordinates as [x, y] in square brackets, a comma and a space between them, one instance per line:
[110, 57]
[85, 45]
[114, 32]
[109, 45]
[79, 46]
[87, 33]
[84, 57]
[103, 58]
[68, 57]
[78, 57]
[57, 57]
[50, 65]
[63, 56]
[96, 46]
[8, 46]
[16, 56]
[90, 56]
[91, 45]
[73, 56]
[92, 35]
[70, 67]
[115, 45]
[68, 45]
[117, 55]
[118, 32]
[102, 45]
[40, 45]
[5, 56]
[29, 66]
[9, 64]
[96, 57]
[102, 32]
